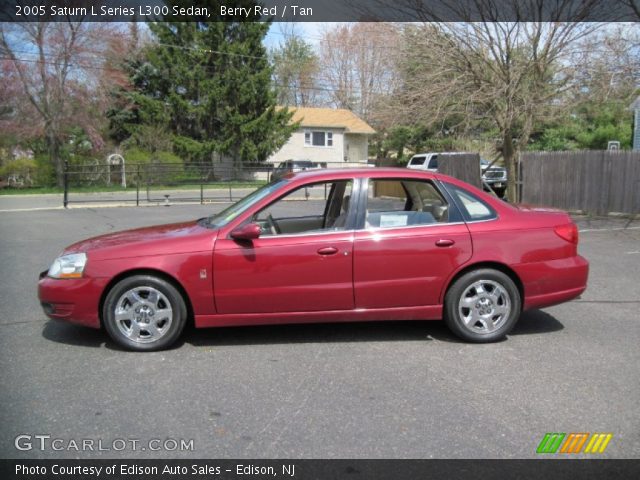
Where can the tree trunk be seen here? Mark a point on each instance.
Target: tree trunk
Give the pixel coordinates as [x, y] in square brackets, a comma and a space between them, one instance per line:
[238, 164]
[509, 156]
[53, 146]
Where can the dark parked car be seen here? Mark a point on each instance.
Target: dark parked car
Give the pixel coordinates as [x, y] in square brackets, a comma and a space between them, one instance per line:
[494, 176]
[294, 166]
[367, 244]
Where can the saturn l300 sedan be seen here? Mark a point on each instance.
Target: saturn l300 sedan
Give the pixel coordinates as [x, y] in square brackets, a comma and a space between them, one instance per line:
[325, 246]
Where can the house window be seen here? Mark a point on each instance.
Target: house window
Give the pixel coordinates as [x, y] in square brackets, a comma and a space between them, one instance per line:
[318, 138]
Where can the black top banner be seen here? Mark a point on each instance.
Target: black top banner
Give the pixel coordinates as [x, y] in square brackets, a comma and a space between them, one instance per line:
[321, 10]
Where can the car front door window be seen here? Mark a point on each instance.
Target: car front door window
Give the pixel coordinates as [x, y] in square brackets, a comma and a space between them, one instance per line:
[310, 209]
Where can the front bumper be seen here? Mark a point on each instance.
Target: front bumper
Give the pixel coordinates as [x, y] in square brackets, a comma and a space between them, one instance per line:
[496, 183]
[73, 300]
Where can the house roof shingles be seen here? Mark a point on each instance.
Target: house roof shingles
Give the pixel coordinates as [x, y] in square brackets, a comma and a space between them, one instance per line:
[331, 118]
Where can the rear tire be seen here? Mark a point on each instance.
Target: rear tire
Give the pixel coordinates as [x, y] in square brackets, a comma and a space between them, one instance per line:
[144, 313]
[482, 306]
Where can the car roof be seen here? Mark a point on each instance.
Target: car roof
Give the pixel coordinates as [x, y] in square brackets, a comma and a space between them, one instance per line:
[370, 171]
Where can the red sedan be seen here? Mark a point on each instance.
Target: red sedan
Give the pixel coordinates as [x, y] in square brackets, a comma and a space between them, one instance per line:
[325, 246]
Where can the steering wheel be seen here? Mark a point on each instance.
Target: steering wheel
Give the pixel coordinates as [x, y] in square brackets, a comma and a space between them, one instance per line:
[273, 226]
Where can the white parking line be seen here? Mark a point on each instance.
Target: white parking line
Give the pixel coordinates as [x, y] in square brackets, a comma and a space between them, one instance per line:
[30, 209]
[608, 229]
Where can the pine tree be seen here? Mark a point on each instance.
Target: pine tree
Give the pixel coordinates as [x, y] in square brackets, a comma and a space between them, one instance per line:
[209, 83]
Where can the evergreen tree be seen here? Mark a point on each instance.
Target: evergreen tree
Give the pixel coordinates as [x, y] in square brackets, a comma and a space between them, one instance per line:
[209, 84]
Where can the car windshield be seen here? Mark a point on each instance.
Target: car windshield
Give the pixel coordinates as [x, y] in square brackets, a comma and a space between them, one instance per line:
[225, 216]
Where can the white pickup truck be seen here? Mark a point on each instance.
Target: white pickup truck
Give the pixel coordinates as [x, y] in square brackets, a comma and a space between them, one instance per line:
[494, 177]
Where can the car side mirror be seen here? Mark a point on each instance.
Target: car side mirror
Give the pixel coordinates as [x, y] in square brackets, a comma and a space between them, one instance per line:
[249, 231]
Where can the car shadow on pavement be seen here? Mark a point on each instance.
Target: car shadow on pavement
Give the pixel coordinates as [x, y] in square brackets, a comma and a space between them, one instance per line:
[531, 322]
[313, 333]
[79, 336]
[70, 334]
[536, 321]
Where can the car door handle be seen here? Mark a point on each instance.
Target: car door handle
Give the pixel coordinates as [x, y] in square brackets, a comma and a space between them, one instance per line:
[444, 242]
[328, 251]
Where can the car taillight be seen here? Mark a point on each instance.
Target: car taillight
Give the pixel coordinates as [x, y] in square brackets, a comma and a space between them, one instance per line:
[568, 232]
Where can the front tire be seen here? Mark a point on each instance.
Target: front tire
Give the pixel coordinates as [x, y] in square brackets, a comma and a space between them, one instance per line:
[144, 313]
[482, 306]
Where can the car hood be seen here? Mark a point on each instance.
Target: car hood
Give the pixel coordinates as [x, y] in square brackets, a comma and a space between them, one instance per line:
[492, 167]
[157, 240]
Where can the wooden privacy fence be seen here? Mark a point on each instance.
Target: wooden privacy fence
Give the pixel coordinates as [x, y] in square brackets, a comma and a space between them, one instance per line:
[596, 182]
[464, 166]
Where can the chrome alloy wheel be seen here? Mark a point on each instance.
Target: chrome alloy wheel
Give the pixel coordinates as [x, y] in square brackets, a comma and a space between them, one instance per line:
[484, 306]
[143, 314]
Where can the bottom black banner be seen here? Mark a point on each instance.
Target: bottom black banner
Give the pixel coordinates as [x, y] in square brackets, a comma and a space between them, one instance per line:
[317, 469]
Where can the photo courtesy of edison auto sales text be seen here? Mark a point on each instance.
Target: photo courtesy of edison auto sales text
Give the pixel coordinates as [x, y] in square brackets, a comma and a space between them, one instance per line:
[133, 469]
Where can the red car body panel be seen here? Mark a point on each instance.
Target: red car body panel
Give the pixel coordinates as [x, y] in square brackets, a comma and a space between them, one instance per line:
[380, 274]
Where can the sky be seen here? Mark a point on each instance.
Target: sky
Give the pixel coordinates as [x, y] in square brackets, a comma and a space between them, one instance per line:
[309, 31]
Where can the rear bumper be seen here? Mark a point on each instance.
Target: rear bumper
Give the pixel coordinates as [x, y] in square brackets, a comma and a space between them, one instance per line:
[71, 300]
[553, 282]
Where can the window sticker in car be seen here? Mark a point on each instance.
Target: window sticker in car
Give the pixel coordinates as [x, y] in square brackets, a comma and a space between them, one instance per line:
[393, 220]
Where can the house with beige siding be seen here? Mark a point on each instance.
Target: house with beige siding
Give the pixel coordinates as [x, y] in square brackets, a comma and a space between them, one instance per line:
[336, 136]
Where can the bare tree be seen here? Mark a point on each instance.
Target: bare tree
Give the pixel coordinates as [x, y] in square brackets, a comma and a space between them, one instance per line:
[633, 5]
[296, 67]
[606, 65]
[55, 66]
[358, 64]
[508, 74]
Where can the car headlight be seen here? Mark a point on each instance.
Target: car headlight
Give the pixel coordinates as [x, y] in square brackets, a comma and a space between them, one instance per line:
[68, 266]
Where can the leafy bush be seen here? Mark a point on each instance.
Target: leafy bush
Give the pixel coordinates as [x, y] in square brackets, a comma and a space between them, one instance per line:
[156, 168]
[45, 172]
[19, 172]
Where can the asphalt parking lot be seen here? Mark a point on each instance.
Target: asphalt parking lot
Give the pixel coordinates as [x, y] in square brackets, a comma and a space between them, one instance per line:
[385, 390]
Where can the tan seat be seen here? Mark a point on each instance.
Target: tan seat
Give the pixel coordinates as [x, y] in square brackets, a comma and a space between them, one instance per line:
[342, 218]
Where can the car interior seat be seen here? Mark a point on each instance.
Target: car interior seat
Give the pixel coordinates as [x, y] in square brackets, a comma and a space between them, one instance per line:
[342, 218]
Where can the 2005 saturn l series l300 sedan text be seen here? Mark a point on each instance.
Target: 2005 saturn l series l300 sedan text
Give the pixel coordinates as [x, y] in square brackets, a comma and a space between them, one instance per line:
[325, 246]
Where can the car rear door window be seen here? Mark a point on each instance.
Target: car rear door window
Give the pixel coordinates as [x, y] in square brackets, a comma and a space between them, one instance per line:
[393, 203]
